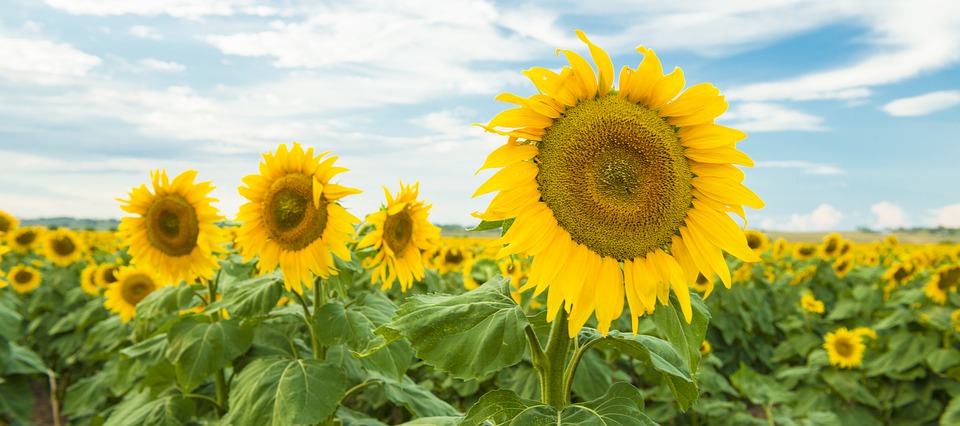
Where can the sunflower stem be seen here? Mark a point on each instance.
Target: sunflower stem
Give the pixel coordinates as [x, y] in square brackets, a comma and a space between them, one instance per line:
[221, 380]
[319, 299]
[308, 319]
[552, 365]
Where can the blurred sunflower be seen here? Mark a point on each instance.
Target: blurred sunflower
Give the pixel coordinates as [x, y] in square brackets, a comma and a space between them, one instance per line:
[757, 241]
[106, 274]
[810, 304]
[24, 279]
[844, 348]
[705, 348]
[955, 319]
[63, 247]
[702, 285]
[7, 223]
[514, 269]
[617, 191]
[88, 280]
[804, 251]
[891, 240]
[133, 284]
[452, 259]
[804, 274]
[843, 265]
[831, 245]
[898, 273]
[400, 234]
[173, 232]
[292, 219]
[24, 239]
[469, 282]
[779, 248]
[944, 280]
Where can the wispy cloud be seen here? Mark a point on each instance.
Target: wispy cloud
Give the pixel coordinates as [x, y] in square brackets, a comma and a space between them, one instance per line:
[803, 166]
[143, 31]
[923, 104]
[43, 61]
[191, 9]
[151, 64]
[767, 117]
[823, 218]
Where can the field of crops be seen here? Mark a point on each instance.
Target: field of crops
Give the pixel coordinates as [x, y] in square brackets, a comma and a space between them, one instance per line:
[829, 333]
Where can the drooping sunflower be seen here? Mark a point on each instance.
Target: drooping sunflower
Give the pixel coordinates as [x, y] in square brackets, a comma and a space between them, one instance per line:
[7, 223]
[133, 284]
[810, 303]
[292, 219]
[844, 348]
[24, 239]
[88, 280]
[63, 247]
[106, 275]
[174, 231]
[400, 234]
[617, 191]
[24, 279]
[944, 280]
[757, 241]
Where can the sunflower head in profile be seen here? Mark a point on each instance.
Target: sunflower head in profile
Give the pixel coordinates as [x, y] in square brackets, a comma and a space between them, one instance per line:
[293, 219]
[617, 192]
[944, 280]
[24, 279]
[173, 231]
[25, 239]
[7, 223]
[63, 247]
[844, 348]
[133, 284]
[779, 248]
[400, 234]
[757, 241]
[88, 280]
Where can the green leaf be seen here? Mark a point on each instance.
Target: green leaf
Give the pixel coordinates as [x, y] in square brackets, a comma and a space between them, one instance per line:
[487, 226]
[593, 377]
[434, 421]
[14, 401]
[758, 388]
[621, 405]
[252, 297]
[24, 361]
[84, 397]
[149, 351]
[9, 323]
[655, 353]
[942, 359]
[469, 335]
[198, 348]
[165, 300]
[143, 409]
[523, 380]
[277, 391]
[419, 401]
[951, 414]
[685, 338]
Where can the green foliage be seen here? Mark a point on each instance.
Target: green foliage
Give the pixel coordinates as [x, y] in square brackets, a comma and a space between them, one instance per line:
[198, 348]
[622, 404]
[278, 391]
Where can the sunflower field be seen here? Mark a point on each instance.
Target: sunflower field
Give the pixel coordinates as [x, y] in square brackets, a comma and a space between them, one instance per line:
[591, 298]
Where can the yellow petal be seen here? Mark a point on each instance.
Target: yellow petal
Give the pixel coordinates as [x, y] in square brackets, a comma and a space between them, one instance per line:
[509, 153]
[603, 62]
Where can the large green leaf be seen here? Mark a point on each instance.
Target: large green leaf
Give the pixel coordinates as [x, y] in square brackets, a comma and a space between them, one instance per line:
[419, 401]
[685, 338]
[9, 323]
[165, 300]
[14, 400]
[758, 388]
[621, 405]
[149, 351]
[143, 409]
[251, 297]
[199, 348]
[279, 391]
[468, 335]
[594, 376]
[655, 353]
[84, 397]
[24, 361]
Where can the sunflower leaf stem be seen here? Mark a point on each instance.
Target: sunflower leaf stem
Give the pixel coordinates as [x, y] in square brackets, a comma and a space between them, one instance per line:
[551, 366]
[571, 369]
[204, 398]
[308, 318]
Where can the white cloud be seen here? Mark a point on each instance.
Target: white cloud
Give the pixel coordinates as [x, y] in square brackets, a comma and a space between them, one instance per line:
[767, 117]
[889, 215]
[824, 218]
[804, 166]
[923, 104]
[43, 62]
[948, 216]
[176, 8]
[143, 31]
[152, 64]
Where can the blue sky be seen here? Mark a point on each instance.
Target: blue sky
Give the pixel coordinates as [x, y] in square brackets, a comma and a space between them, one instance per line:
[851, 106]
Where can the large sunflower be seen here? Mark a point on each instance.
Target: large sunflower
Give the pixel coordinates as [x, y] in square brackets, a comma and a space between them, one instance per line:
[844, 348]
[24, 239]
[133, 284]
[174, 231]
[292, 219]
[7, 223]
[63, 247]
[400, 235]
[24, 279]
[617, 191]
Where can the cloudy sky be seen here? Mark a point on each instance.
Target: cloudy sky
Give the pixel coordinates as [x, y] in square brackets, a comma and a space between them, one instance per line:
[851, 106]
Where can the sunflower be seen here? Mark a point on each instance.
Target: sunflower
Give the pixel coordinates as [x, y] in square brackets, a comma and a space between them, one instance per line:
[469, 282]
[106, 275]
[899, 273]
[133, 284]
[804, 251]
[452, 259]
[24, 239]
[845, 348]
[891, 240]
[24, 279]
[702, 285]
[514, 269]
[7, 223]
[831, 245]
[63, 247]
[843, 265]
[401, 232]
[804, 275]
[173, 232]
[88, 281]
[810, 303]
[955, 319]
[705, 348]
[944, 280]
[757, 241]
[293, 219]
[617, 191]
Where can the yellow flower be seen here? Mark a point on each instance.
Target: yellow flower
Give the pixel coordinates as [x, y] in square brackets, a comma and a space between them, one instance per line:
[469, 282]
[779, 248]
[955, 319]
[758, 241]
[899, 273]
[133, 284]
[88, 281]
[705, 348]
[865, 333]
[944, 280]
[804, 251]
[24, 279]
[452, 259]
[514, 269]
[844, 348]
[617, 192]
[292, 219]
[831, 245]
[891, 240]
[106, 274]
[174, 231]
[401, 232]
[7, 223]
[702, 285]
[63, 247]
[810, 304]
[24, 239]
[743, 273]
[804, 275]
[843, 265]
